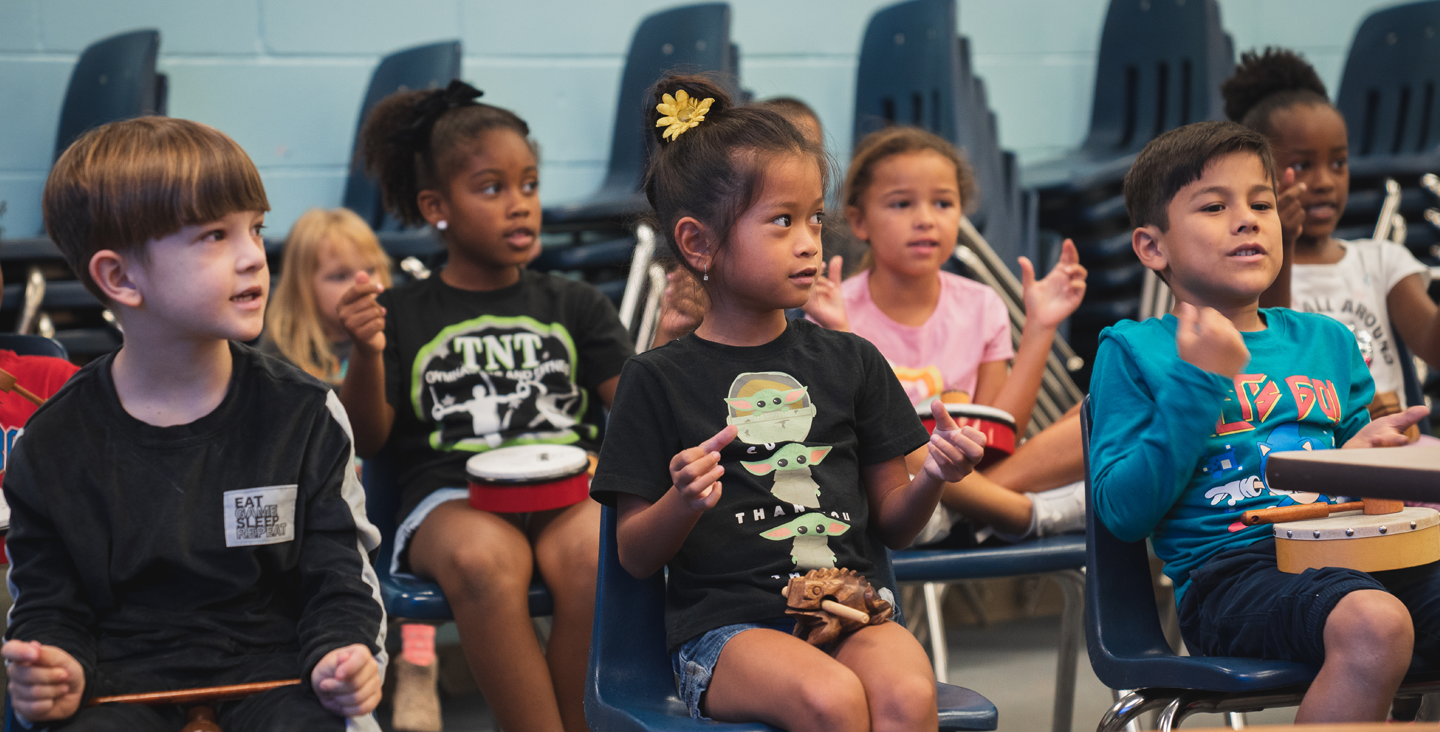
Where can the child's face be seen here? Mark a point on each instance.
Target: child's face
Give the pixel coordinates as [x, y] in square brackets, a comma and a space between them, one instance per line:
[1223, 245]
[339, 261]
[1311, 139]
[910, 213]
[774, 251]
[207, 281]
[492, 205]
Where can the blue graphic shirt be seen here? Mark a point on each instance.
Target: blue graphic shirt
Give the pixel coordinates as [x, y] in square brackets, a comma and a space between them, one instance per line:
[1177, 453]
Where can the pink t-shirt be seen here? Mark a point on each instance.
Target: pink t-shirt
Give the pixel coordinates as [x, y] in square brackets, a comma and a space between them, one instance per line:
[970, 326]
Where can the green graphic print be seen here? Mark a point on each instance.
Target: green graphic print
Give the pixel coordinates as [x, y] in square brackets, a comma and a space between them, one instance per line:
[791, 465]
[810, 548]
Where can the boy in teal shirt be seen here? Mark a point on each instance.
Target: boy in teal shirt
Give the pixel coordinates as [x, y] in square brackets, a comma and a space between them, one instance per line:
[1187, 410]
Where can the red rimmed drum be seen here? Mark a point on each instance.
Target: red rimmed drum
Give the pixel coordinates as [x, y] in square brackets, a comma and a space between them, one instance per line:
[997, 425]
[528, 478]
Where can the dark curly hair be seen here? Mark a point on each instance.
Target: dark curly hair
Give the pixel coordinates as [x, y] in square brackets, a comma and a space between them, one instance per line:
[1269, 81]
[714, 171]
[405, 164]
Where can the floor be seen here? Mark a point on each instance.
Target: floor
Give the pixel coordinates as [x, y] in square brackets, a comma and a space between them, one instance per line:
[1012, 663]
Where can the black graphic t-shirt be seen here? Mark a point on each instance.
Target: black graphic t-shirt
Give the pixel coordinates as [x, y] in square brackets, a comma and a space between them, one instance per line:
[468, 372]
[811, 407]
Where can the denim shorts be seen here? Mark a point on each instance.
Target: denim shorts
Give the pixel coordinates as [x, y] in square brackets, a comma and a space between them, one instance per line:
[695, 662]
[1240, 604]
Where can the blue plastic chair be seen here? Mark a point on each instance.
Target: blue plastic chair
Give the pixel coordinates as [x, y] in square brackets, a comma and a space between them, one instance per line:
[1387, 91]
[629, 685]
[1059, 557]
[33, 345]
[1129, 652]
[114, 79]
[421, 67]
[413, 599]
[693, 38]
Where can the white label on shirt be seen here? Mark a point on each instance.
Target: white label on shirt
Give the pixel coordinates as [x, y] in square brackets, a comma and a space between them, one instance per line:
[255, 516]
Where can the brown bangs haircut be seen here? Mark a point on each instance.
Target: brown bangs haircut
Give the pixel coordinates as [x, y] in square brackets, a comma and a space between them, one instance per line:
[1178, 158]
[886, 143]
[714, 171]
[127, 183]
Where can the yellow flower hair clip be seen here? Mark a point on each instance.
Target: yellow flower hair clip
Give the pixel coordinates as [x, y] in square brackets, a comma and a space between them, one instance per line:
[682, 112]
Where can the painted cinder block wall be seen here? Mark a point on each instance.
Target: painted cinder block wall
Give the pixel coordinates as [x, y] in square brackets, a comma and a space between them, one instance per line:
[285, 77]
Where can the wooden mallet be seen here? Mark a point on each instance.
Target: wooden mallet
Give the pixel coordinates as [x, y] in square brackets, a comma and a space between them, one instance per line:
[201, 717]
[9, 384]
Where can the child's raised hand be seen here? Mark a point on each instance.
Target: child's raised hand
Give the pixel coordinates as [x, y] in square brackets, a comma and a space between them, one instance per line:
[954, 450]
[1053, 299]
[1387, 431]
[682, 307]
[826, 306]
[1209, 341]
[347, 680]
[46, 683]
[1292, 212]
[362, 316]
[696, 472]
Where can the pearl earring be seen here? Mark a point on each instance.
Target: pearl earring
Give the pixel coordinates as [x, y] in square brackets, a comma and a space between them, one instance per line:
[442, 224]
[707, 272]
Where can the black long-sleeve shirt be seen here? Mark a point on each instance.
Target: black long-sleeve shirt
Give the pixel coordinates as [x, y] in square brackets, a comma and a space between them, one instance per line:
[231, 549]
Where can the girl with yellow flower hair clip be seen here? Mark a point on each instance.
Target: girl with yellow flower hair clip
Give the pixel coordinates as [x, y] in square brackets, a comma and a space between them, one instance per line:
[808, 427]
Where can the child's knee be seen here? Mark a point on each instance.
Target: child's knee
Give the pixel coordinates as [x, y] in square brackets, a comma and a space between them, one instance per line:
[905, 703]
[1370, 624]
[485, 566]
[832, 699]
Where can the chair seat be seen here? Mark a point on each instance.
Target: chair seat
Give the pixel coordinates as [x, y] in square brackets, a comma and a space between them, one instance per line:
[607, 205]
[415, 599]
[1050, 554]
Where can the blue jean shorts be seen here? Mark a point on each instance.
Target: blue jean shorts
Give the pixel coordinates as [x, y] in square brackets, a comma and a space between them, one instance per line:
[695, 662]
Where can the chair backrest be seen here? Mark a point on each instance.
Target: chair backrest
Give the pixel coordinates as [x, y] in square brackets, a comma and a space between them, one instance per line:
[421, 67]
[909, 69]
[114, 79]
[693, 38]
[1387, 92]
[1121, 619]
[1161, 63]
[1414, 390]
[32, 345]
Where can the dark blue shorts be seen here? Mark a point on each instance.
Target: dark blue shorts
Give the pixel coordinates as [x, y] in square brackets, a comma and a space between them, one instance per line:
[1240, 604]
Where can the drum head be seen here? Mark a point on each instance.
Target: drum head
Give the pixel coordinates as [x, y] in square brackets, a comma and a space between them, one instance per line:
[527, 464]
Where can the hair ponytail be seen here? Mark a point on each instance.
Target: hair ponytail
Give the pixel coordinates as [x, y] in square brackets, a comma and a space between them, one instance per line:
[1266, 82]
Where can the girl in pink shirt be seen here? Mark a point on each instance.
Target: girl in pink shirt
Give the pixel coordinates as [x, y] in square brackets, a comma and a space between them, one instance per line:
[949, 337]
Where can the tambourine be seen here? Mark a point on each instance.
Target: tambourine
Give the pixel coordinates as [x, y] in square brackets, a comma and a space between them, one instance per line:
[528, 478]
[997, 425]
[1355, 540]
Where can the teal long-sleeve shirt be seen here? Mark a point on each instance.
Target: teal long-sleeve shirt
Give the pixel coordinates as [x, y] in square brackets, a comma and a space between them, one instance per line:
[1177, 453]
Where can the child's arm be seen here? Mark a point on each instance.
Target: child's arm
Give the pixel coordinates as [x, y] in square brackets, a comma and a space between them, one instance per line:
[650, 534]
[1416, 317]
[347, 681]
[363, 392]
[901, 505]
[1148, 437]
[1048, 302]
[46, 683]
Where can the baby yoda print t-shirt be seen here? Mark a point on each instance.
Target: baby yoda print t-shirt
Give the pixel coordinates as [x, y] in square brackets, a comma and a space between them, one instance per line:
[468, 372]
[811, 408]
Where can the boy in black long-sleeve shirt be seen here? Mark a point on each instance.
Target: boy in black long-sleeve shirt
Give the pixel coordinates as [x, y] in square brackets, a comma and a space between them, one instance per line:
[185, 512]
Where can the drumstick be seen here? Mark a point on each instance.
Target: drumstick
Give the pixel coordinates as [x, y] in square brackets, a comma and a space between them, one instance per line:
[9, 384]
[191, 696]
[835, 608]
[1296, 513]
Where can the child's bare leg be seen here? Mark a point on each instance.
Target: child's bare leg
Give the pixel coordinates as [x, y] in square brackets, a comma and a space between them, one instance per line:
[483, 563]
[1048, 460]
[768, 676]
[983, 500]
[1369, 639]
[567, 550]
[893, 668]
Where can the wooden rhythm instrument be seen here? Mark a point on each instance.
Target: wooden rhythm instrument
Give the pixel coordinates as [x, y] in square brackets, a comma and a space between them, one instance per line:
[528, 478]
[997, 425]
[1352, 539]
[201, 716]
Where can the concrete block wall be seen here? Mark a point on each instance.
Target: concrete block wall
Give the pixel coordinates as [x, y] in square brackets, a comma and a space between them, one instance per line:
[285, 77]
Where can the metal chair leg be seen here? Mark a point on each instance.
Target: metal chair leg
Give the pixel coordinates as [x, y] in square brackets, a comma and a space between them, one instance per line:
[934, 591]
[1128, 707]
[1072, 586]
[1237, 720]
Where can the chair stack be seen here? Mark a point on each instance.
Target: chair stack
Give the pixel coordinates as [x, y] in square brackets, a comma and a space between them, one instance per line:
[1160, 66]
[114, 79]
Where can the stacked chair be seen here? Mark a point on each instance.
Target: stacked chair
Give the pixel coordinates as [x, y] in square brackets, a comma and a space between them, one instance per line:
[1160, 66]
[114, 79]
[914, 71]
